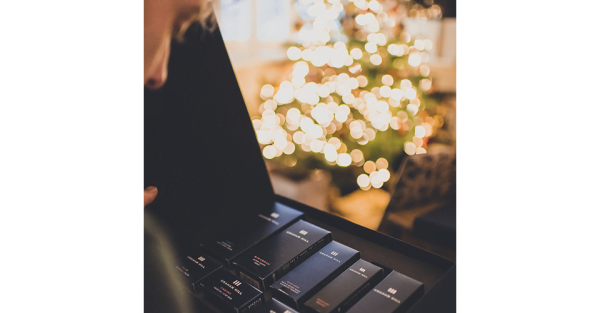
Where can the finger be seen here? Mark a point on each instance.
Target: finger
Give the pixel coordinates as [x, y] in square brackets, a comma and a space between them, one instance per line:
[149, 194]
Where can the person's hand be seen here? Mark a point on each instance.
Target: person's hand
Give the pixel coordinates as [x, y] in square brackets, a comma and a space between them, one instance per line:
[149, 194]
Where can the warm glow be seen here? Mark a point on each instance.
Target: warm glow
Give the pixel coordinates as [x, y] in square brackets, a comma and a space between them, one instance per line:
[356, 155]
[381, 163]
[413, 109]
[394, 49]
[362, 81]
[402, 116]
[373, 38]
[363, 180]
[343, 89]
[294, 53]
[370, 47]
[385, 91]
[414, 60]
[384, 175]
[424, 70]
[376, 181]
[343, 78]
[267, 91]
[397, 94]
[425, 84]
[369, 167]
[376, 59]
[410, 148]
[348, 99]
[356, 53]
[387, 80]
[411, 93]
[335, 142]
[405, 84]
[316, 146]
[382, 40]
[257, 124]
[419, 131]
[344, 159]
[299, 137]
[374, 5]
[428, 44]
[419, 44]
[361, 19]
[395, 123]
[289, 148]
[269, 152]
[418, 141]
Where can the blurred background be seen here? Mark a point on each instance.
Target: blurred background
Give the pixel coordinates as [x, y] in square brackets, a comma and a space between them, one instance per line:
[354, 106]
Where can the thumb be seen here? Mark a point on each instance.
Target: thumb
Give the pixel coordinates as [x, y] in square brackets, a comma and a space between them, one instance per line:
[149, 194]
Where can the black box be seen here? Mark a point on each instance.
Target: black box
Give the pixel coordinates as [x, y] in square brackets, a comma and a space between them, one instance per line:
[309, 277]
[346, 289]
[264, 264]
[232, 244]
[195, 267]
[275, 306]
[229, 293]
[394, 294]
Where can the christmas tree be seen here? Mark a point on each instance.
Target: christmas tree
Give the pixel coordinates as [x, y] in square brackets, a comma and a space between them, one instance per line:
[356, 95]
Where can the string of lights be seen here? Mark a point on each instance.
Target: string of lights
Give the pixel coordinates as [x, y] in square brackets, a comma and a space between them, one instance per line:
[346, 89]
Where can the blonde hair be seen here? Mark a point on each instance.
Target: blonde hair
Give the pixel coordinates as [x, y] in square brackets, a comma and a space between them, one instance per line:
[207, 17]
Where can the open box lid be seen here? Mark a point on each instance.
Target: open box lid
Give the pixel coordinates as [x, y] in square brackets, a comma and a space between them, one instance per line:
[200, 147]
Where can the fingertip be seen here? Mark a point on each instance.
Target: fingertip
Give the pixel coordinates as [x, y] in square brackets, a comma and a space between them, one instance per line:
[150, 194]
[151, 189]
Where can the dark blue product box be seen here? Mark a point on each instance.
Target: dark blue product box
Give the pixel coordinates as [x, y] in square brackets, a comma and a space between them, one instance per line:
[346, 289]
[313, 274]
[195, 267]
[230, 294]
[394, 294]
[232, 244]
[264, 264]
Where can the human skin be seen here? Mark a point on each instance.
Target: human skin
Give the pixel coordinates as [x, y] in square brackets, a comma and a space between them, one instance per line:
[163, 21]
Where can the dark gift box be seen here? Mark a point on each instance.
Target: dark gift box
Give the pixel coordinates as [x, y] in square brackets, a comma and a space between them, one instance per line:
[195, 267]
[267, 262]
[232, 244]
[394, 294]
[309, 277]
[230, 294]
[346, 289]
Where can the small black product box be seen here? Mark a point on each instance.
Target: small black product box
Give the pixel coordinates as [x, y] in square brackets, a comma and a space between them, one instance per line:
[264, 264]
[275, 306]
[346, 289]
[230, 245]
[394, 294]
[309, 277]
[195, 267]
[230, 294]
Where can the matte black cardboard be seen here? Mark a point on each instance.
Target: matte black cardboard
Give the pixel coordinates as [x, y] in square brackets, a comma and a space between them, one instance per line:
[394, 294]
[309, 277]
[232, 244]
[346, 289]
[230, 294]
[276, 256]
[195, 267]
